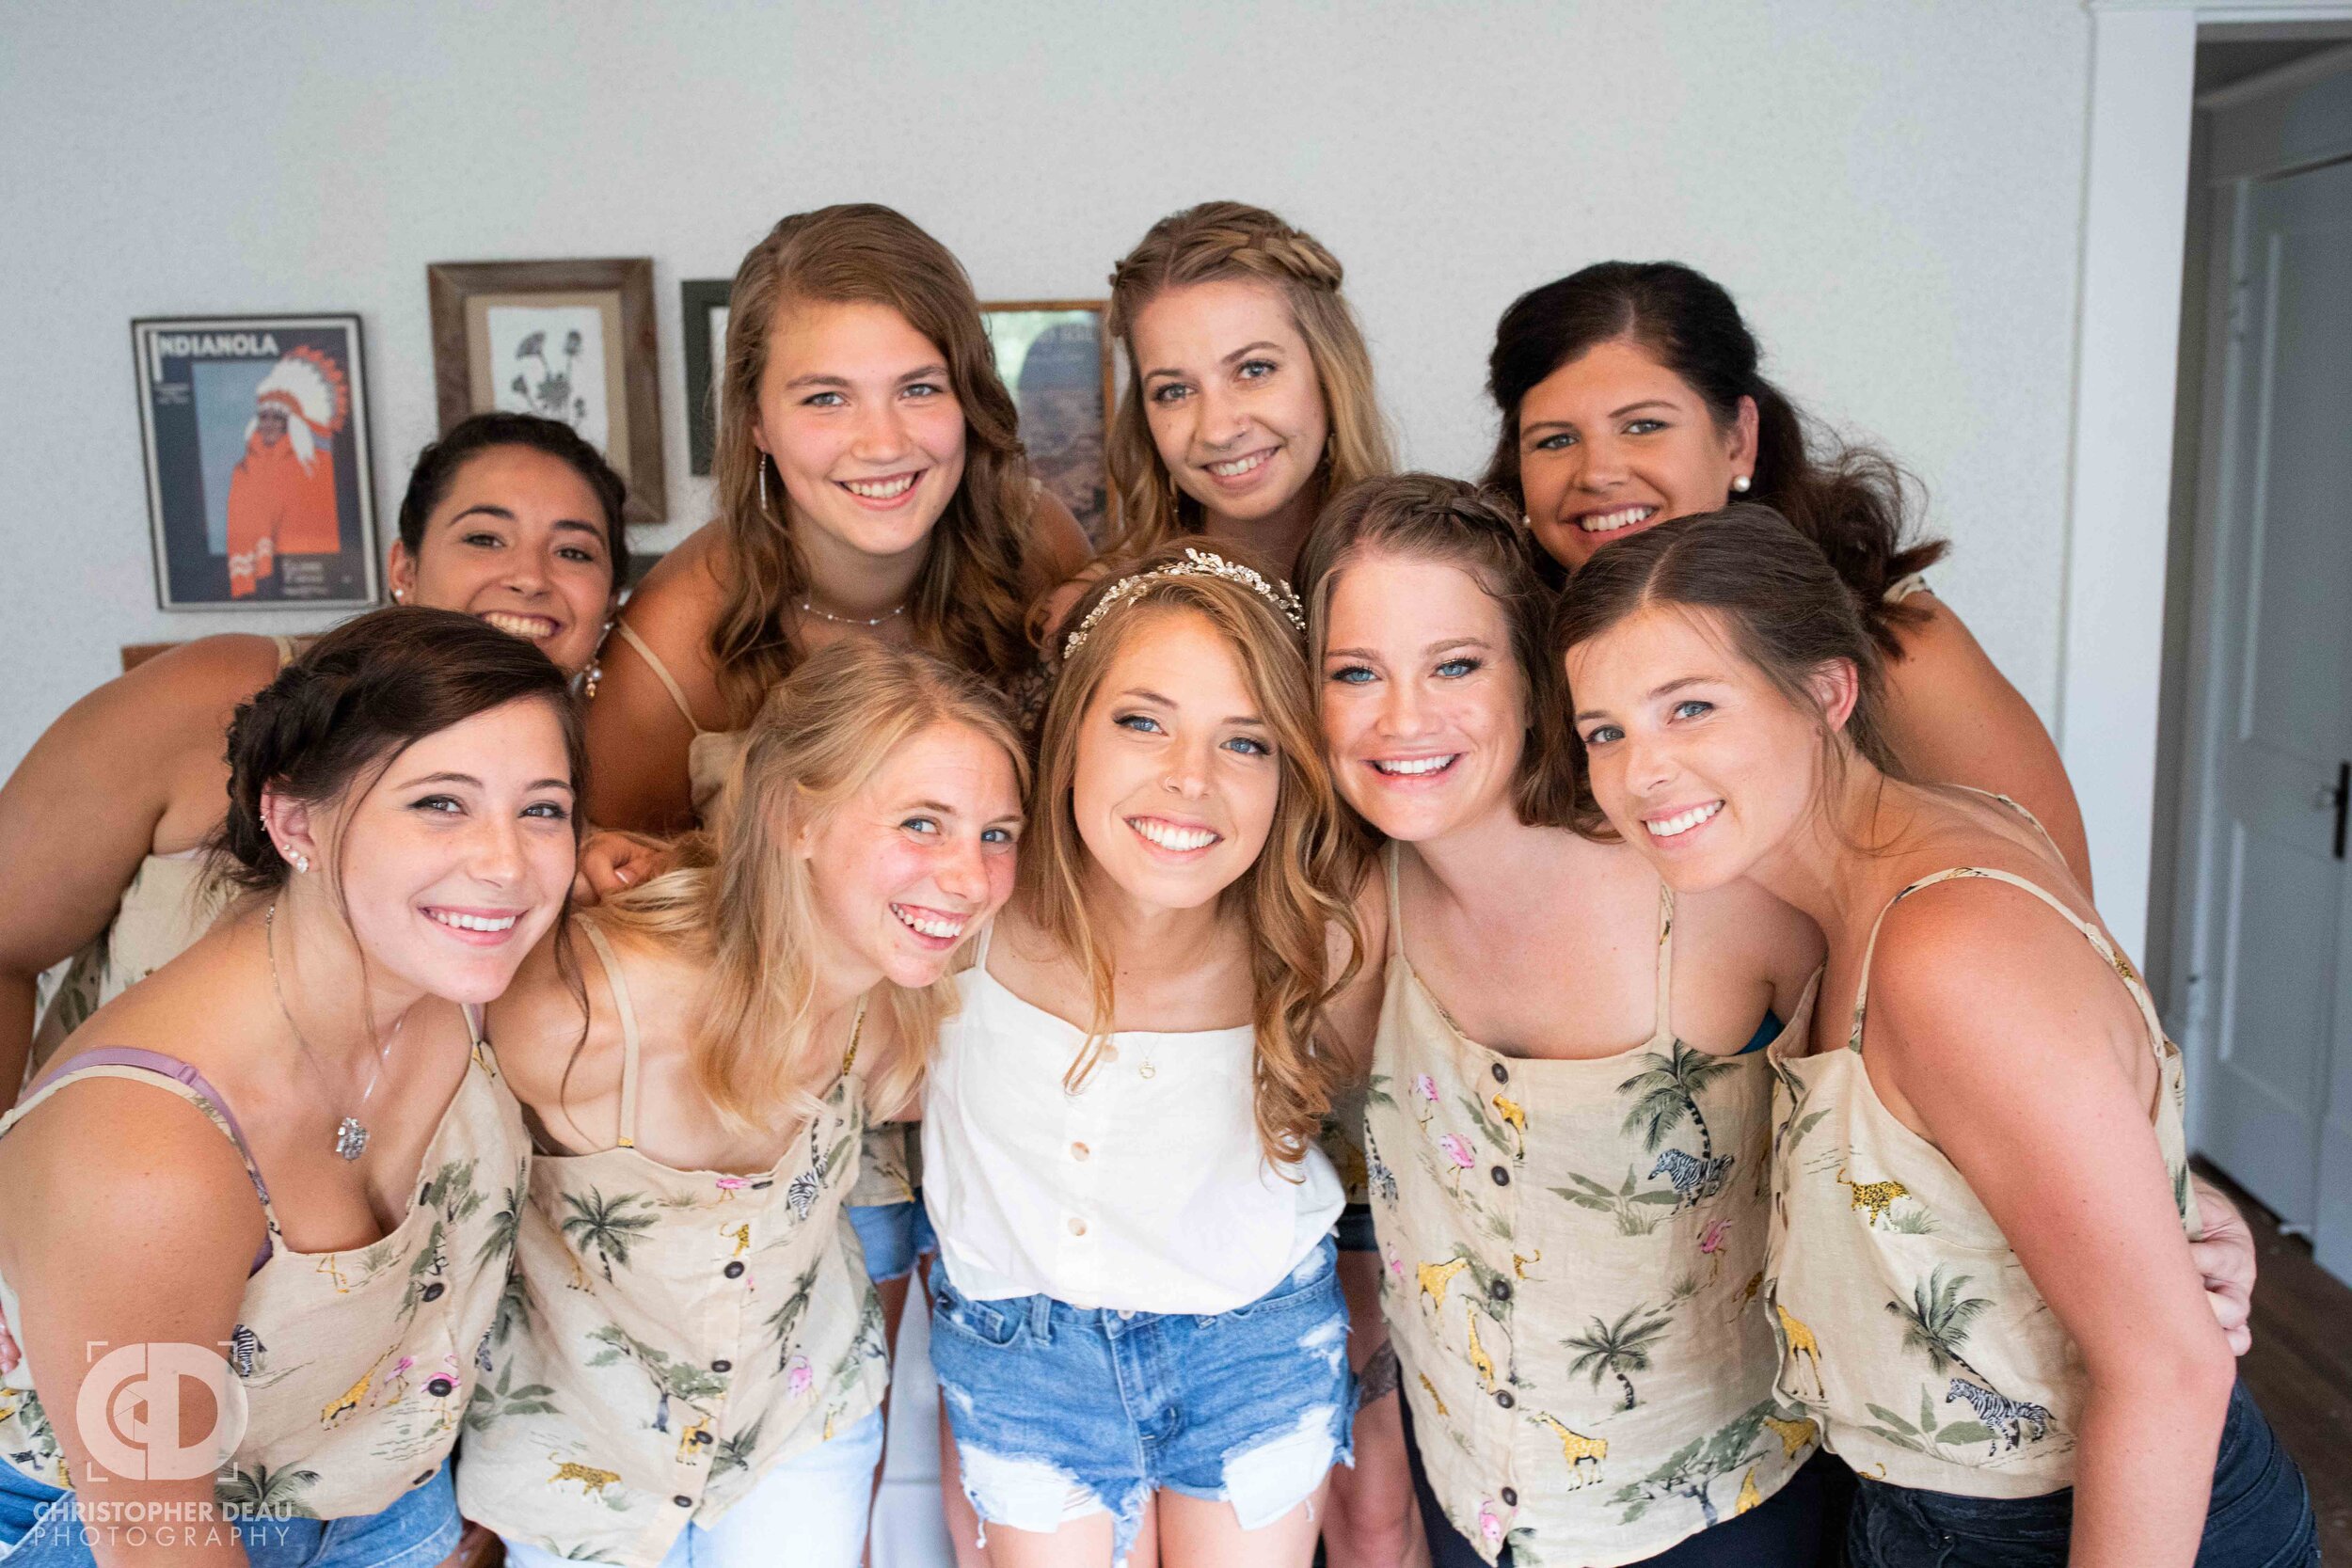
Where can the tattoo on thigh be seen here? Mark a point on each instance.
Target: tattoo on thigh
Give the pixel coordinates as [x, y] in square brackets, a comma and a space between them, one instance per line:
[1379, 1379]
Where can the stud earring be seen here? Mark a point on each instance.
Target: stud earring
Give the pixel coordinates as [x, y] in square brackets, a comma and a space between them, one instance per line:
[400, 595]
[301, 860]
[1526, 521]
[1740, 486]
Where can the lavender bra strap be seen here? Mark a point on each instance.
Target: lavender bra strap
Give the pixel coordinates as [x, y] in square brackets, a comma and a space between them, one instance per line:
[173, 1067]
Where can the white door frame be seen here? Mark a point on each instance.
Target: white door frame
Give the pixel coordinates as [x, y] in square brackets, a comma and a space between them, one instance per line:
[2143, 65]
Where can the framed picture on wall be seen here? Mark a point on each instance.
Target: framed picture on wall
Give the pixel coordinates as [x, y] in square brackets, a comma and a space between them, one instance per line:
[255, 430]
[702, 305]
[569, 341]
[1056, 362]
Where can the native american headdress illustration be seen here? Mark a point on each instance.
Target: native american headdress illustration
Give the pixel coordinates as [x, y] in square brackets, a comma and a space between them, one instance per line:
[309, 387]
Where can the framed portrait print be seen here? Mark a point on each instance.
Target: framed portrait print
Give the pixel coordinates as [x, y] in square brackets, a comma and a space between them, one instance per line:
[1056, 361]
[255, 430]
[703, 306]
[569, 341]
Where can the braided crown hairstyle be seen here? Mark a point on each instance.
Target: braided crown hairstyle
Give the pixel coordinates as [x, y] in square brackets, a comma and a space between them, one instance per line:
[1848, 501]
[1218, 242]
[337, 718]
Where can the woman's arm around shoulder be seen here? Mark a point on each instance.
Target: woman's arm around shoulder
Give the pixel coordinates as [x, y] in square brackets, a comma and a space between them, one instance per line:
[637, 736]
[1953, 718]
[132, 769]
[2018, 1054]
[180, 1225]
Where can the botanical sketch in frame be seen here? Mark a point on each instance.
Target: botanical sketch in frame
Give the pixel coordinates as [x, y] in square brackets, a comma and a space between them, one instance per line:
[570, 341]
[1056, 360]
[703, 306]
[255, 430]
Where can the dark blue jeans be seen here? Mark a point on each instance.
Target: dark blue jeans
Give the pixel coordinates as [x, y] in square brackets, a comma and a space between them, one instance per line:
[2260, 1517]
[1786, 1532]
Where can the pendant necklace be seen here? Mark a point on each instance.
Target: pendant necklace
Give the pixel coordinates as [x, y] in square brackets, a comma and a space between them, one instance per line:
[808, 607]
[351, 1133]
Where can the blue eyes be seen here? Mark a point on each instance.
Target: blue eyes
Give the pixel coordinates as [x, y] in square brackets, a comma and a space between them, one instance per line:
[1140, 724]
[1601, 734]
[1249, 748]
[996, 835]
[921, 391]
[920, 825]
[1452, 670]
[1257, 369]
[1143, 723]
[1690, 707]
[1353, 674]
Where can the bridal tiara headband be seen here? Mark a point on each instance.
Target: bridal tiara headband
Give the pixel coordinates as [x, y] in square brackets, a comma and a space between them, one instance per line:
[1196, 563]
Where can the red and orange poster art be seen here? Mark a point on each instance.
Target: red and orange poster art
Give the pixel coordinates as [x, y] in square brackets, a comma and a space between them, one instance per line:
[258, 486]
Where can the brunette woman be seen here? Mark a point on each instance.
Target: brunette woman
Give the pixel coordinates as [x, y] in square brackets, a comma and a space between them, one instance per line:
[1980, 1267]
[346, 1161]
[1631, 394]
[510, 518]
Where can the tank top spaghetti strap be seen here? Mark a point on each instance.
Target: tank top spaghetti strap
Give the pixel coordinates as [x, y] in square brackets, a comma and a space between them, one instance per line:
[710, 754]
[660, 673]
[131, 1063]
[631, 1039]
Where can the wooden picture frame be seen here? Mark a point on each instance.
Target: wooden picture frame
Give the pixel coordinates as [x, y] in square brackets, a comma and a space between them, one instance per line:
[703, 308]
[1066, 400]
[494, 346]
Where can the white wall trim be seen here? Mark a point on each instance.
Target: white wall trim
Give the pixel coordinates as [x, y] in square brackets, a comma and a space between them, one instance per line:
[2144, 64]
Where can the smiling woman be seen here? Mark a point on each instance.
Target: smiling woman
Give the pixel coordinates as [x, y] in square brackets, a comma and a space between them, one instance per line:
[401, 820]
[512, 520]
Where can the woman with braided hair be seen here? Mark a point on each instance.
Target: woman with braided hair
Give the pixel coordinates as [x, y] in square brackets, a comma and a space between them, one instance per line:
[344, 1155]
[1249, 396]
[1249, 400]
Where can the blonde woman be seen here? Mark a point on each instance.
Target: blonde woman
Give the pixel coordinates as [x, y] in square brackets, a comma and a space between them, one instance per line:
[1250, 402]
[1249, 397]
[1136, 1297]
[691, 1364]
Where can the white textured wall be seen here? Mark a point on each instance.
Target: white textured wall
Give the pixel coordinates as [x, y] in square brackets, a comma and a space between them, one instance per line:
[1893, 189]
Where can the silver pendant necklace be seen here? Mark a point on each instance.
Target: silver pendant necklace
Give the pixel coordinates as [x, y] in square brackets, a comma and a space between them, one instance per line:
[809, 608]
[351, 1133]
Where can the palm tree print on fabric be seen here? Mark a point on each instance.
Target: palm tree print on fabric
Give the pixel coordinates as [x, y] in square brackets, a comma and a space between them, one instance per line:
[262, 1493]
[1636, 1214]
[686, 1382]
[1665, 1092]
[607, 1225]
[1616, 1350]
[1691, 1471]
[785, 1319]
[1936, 1322]
[495, 1402]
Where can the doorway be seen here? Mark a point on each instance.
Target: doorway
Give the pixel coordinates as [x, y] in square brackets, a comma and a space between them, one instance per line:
[2251, 884]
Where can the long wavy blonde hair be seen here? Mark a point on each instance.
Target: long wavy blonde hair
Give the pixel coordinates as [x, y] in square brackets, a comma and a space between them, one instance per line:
[1216, 242]
[1289, 899]
[739, 902]
[972, 594]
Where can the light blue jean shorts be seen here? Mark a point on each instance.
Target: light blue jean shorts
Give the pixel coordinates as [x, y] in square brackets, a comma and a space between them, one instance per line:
[893, 1236]
[1062, 1411]
[41, 1526]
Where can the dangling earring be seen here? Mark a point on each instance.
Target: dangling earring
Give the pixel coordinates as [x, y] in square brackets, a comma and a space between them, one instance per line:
[595, 668]
[1740, 486]
[763, 484]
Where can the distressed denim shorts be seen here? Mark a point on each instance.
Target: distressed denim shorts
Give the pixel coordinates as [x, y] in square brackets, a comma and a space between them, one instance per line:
[1061, 1411]
[893, 1236]
[41, 1526]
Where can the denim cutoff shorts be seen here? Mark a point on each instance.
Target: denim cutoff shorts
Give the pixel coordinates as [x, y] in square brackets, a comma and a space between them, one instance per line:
[893, 1236]
[1062, 1411]
[41, 1526]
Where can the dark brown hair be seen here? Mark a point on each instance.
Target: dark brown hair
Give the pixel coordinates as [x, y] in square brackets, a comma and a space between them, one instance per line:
[983, 568]
[1449, 522]
[1848, 500]
[338, 715]
[438, 465]
[1772, 590]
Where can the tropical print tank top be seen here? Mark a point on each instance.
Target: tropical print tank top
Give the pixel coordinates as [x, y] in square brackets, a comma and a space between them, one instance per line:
[671, 1335]
[1572, 1252]
[163, 912]
[1909, 1328]
[357, 1365]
